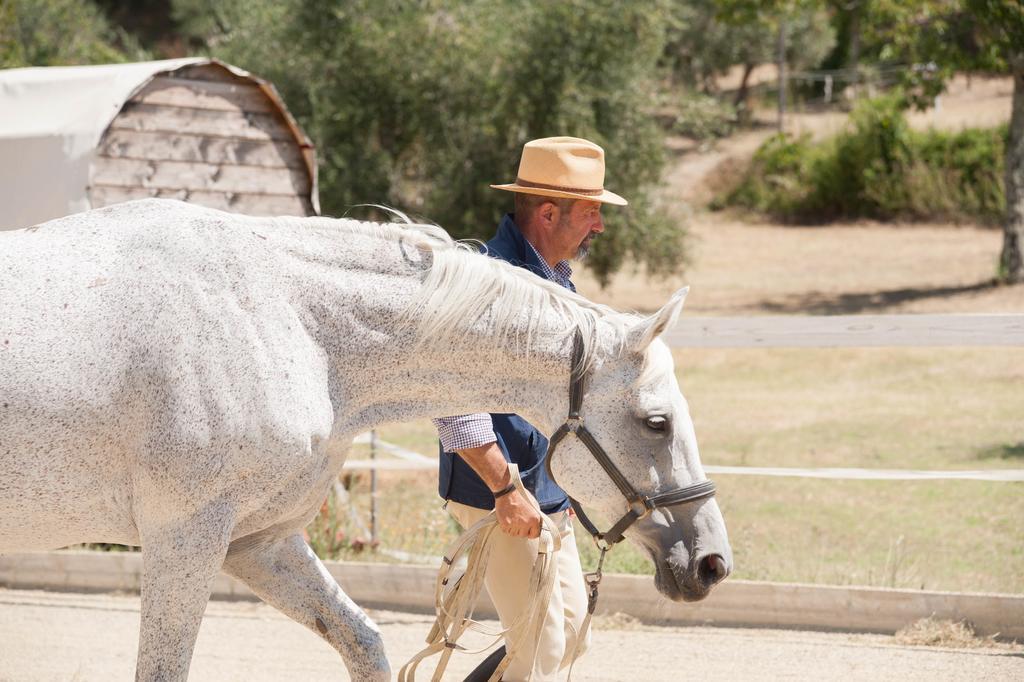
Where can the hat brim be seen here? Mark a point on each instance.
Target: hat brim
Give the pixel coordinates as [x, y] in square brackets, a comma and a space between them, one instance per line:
[605, 197]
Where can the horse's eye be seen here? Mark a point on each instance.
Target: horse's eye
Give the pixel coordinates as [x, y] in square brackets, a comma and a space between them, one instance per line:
[656, 423]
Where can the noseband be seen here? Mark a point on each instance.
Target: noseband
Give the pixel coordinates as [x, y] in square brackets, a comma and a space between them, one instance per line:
[640, 505]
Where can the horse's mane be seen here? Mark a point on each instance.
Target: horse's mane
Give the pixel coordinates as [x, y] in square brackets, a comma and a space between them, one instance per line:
[461, 286]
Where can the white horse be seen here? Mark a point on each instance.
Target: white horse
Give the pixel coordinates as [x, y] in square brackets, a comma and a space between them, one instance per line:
[190, 381]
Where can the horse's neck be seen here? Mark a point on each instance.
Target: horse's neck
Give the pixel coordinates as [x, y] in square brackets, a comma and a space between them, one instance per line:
[381, 371]
[465, 374]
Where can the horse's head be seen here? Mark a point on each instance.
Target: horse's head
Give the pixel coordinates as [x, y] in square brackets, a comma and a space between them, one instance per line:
[634, 410]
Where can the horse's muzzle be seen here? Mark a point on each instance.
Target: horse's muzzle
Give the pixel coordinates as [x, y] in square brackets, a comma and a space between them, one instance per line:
[690, 578]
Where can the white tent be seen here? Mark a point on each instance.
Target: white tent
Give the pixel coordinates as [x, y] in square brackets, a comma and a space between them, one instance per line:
[53, 118]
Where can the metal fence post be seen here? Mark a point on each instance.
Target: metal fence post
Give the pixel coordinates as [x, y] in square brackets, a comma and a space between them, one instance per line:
[782, 75]
[373, 488]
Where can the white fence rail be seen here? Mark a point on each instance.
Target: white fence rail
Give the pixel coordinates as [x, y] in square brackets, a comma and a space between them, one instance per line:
[414, 461]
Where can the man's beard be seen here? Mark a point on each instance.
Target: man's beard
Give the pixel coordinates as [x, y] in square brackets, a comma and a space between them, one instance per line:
[584, 248]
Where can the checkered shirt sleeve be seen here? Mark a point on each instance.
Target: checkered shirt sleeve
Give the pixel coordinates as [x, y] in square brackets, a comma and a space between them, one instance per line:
[464, 431]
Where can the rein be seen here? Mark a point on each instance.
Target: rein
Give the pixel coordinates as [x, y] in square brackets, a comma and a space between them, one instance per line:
[455, 596]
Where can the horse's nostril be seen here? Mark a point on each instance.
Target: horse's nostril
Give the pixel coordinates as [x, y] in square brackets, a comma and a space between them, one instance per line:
[712, 569]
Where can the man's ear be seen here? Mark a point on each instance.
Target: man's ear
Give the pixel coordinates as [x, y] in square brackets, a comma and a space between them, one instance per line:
[549, 213]
[650, 328]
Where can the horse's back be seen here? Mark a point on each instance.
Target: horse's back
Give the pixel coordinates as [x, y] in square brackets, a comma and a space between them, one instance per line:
[91, 300]
[138, 343]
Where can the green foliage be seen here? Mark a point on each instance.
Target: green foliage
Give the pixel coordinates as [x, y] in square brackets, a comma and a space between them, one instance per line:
[878, 168]
[60, 32]
[1003, 24]
[422, 105]
[706, 39]
[933, 39]
[773, 182]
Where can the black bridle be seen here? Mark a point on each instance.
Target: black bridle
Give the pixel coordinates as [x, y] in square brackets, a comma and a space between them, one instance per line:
[640, 505]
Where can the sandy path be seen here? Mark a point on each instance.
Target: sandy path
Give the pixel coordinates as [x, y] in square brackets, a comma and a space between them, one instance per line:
[57, 636]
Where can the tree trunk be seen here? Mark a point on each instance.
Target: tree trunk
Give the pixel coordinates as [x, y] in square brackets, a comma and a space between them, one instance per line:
[1011, 263]
[853, 53]
[782, 75]
[741, 94]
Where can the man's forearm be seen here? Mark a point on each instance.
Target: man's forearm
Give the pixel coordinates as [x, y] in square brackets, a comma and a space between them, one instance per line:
[489, 464]
[517, 515]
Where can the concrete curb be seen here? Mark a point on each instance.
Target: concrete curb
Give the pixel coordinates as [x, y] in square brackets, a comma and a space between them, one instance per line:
[734, 603]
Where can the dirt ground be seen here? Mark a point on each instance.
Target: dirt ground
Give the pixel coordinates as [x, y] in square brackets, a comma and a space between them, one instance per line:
[54, 636]
[750, 269]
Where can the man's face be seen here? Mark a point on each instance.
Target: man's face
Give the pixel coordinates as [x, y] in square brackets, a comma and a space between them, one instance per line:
[578, 226]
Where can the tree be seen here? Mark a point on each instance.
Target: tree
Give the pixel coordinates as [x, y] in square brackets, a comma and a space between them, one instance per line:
[938, 37]
[60, 32]
[421, 105]
[1003, 24]
[706, 39]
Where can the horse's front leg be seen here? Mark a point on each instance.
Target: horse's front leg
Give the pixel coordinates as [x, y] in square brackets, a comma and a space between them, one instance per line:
[180, 559]
[286, 574]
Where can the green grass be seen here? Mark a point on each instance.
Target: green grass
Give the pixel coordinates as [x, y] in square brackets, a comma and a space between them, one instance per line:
[871, 408]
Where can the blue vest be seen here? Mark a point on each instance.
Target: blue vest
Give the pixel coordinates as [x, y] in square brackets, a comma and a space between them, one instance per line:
[518, 440]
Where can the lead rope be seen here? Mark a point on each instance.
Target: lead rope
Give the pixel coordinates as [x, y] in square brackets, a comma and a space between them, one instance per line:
[454, 599]
[593, 581]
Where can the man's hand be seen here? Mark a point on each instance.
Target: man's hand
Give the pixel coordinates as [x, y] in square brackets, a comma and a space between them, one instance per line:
[516, 514]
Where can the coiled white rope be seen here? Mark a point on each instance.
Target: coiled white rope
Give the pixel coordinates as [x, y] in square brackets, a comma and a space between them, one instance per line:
[454, 599]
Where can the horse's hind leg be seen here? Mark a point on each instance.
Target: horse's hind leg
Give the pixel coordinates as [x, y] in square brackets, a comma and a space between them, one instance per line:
[180, 560]
[286, 574]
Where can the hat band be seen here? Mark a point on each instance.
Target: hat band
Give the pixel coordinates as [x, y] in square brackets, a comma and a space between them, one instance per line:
[559, 188]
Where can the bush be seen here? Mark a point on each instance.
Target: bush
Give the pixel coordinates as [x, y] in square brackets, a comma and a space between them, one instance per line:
[878, 168]
[773, 182]
[703, 117]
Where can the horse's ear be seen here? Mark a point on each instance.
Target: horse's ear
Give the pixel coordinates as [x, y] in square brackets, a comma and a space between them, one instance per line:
[650, 328]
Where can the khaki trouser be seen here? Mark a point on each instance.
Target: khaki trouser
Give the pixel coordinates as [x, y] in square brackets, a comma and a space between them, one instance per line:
[508, 573]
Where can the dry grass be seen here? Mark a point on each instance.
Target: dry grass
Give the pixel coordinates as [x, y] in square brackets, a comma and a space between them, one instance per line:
[950, 634]
[910, 408]
[616, 621]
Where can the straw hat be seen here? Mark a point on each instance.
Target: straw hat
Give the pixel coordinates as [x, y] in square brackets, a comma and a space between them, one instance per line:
[567, 167]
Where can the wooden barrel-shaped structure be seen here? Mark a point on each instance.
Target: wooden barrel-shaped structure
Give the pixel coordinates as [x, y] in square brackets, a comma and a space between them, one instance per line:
[196, 129]
[206, 135]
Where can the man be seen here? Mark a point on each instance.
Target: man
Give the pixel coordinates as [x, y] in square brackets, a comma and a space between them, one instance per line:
[558, 196]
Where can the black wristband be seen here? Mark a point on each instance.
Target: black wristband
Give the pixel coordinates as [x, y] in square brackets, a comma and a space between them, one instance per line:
[504, 491]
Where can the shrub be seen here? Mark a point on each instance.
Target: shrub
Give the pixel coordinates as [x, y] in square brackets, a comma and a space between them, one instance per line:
[878, 168]
[774, 184]
[703, 117]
